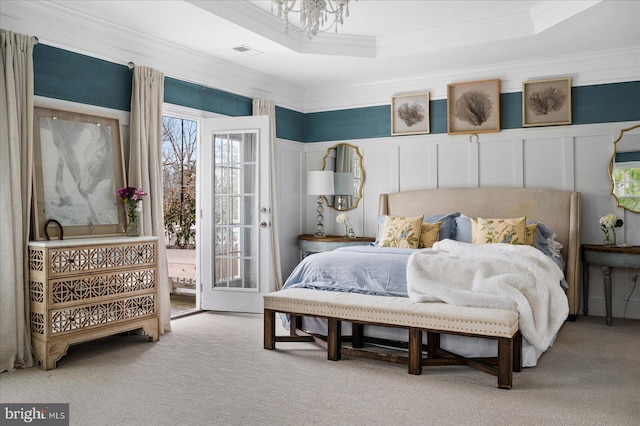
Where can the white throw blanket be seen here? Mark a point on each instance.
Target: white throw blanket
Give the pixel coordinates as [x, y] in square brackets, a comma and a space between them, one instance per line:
[505, 276]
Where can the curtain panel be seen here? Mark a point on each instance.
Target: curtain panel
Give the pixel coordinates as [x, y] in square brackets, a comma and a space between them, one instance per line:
[16, 164]
[268, 107]
[145, 171]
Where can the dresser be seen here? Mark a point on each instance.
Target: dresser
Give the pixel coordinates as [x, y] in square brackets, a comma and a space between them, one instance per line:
[310, 244]
[88, 288]
[608, 258]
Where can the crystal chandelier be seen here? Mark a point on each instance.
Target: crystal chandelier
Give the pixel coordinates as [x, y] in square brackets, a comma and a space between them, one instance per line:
[315, 15]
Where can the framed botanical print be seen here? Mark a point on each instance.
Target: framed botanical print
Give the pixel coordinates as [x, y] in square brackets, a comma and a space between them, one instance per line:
[546, 102]
[77, 167]
[410, 114]
[473, 107]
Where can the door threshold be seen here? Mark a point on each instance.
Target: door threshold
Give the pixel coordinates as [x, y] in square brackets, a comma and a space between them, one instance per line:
[186, 313]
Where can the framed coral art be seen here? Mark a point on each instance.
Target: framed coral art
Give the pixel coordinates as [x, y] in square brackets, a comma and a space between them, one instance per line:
[546, 102]
[77, 167]
[410, 114]
[473, 107]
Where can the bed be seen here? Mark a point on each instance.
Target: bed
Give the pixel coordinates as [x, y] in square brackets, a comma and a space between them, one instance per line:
[383, 271]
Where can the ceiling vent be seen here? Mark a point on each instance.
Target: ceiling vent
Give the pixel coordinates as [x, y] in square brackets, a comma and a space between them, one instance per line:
[247, 50]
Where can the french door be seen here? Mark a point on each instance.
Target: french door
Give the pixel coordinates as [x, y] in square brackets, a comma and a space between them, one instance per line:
[233, 242]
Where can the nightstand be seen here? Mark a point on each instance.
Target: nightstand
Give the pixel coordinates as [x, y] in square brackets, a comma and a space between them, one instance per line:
[608, 258]
[310, 244]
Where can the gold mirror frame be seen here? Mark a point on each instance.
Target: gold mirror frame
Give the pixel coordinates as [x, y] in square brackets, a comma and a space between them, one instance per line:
[627, 204]
[350, 202]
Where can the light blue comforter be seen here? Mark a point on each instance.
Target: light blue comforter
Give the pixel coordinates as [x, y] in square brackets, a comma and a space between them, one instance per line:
[359, 269]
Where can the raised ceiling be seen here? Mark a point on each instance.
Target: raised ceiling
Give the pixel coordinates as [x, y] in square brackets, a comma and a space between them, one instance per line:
[396, 44]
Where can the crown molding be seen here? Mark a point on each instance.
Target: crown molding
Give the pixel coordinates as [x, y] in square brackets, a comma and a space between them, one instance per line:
[58, 26]
[265, 24]
[550, 13]
[585, 69]
[504, 27]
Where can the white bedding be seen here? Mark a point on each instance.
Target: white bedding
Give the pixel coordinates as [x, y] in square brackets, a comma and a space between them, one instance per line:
[515, 277]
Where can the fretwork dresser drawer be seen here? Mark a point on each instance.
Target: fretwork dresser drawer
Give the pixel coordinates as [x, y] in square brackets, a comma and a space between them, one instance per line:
[89, 288]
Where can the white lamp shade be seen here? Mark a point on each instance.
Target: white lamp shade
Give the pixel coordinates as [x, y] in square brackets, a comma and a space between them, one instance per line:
[320, 182]
[343, 183]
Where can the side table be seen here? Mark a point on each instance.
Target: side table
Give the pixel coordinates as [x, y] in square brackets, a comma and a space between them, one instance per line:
[310, 244]
[608, 257]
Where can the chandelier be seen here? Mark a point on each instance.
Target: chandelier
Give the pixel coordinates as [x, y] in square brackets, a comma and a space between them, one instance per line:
[315, 15]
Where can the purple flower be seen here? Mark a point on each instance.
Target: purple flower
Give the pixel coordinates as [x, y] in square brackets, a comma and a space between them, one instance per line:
[131, 194]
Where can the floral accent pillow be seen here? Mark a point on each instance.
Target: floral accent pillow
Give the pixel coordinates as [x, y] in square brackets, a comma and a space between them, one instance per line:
[429, 234]
[530, 234]
[401, 232]
[509, 231]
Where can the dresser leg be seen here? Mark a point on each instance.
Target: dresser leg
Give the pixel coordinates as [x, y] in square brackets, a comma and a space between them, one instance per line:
[606, 270]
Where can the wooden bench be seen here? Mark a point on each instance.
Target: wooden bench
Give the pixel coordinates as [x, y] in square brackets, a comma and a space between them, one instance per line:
[434, 318]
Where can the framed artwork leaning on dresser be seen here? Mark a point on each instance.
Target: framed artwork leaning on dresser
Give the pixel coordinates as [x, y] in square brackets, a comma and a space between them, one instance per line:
[77, 167]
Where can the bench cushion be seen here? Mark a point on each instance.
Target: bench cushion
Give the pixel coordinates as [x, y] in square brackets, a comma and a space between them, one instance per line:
[399, 311]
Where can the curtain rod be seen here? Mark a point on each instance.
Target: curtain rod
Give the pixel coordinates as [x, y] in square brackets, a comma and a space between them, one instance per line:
[35, 40]
[131, 66]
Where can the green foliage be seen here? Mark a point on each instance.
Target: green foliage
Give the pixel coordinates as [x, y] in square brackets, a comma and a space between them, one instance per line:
[627, 186]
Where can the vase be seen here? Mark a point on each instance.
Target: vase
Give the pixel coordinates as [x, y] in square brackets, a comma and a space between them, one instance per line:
[609, 237]
[134, 211]
[351, 233]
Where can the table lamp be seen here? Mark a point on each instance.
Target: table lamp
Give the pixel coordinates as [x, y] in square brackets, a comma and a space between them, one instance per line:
[320, 183]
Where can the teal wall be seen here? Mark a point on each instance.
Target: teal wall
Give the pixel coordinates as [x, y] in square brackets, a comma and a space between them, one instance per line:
[61, 74]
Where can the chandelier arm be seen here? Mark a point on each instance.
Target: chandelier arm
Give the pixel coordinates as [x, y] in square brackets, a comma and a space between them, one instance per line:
[315, 15]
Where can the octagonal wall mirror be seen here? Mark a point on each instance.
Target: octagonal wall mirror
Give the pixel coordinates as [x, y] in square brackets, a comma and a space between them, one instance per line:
[624, 169]
[345, 161]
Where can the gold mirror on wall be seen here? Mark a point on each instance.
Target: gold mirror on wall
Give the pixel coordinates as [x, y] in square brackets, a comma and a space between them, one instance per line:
[624, 169]
[346, 162]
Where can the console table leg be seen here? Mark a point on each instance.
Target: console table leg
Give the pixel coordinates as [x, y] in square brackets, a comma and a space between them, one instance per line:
[606, 270]
[585, 288]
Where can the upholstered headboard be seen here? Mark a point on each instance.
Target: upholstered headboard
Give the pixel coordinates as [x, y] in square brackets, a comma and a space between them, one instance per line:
[559, 210]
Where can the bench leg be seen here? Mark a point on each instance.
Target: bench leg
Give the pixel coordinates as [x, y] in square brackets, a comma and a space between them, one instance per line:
[415, 350]
[433, 344]
[505, 362]
[269, 329]
[517, 352]
[357, 335]
[295, 323]
[334, 340]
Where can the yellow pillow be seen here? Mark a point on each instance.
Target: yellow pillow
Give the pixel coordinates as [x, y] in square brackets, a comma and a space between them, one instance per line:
[530, 234]
[402, 232]
[429, 234]
[487, 231]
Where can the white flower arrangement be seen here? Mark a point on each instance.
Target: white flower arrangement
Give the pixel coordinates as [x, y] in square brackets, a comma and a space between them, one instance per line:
[610, 222]
[343, 218]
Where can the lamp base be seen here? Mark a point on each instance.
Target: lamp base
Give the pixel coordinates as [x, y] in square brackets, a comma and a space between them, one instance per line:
[320, 218]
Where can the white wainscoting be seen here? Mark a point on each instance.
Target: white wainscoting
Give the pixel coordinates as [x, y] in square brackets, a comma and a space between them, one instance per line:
[564, 157]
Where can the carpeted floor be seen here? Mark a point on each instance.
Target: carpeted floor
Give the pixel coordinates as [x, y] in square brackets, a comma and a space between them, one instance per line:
[211, 370]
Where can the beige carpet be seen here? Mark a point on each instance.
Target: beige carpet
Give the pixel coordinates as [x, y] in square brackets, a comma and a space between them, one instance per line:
[211, 370]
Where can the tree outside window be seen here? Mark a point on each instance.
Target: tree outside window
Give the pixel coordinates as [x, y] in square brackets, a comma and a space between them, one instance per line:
[179, 141]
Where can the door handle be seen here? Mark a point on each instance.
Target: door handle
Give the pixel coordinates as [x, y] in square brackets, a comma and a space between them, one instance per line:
[264, 224]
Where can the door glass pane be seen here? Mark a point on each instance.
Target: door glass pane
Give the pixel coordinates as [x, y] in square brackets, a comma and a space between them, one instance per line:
[235, 211]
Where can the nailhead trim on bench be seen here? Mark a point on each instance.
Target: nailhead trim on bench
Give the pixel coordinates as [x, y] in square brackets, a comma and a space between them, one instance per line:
[298, 301]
